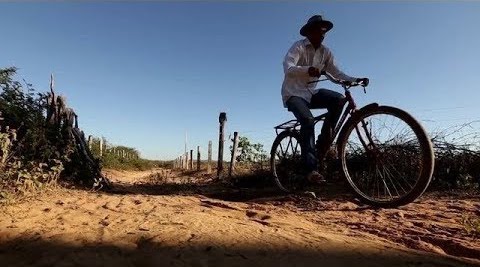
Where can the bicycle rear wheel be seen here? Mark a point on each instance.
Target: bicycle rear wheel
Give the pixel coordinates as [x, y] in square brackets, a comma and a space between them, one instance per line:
[387, 157]
[286, 161]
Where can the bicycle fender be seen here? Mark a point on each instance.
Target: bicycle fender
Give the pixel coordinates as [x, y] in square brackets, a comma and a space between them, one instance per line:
[366, 108]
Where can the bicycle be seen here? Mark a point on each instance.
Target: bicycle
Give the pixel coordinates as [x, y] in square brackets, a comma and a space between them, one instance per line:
[384, 167]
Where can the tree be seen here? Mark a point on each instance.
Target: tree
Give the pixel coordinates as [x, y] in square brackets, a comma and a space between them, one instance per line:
[249, 152]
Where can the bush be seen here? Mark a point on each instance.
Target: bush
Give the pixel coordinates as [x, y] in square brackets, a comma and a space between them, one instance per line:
[114, 162]
[250, 155]
[34, 152]
[20, 176]
[457, 157]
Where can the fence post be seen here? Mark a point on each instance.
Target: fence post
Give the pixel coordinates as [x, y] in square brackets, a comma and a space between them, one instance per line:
[101, 147]
[221, 119]
[234, 154]
[191, 159]
[209, 163]
[185, 158]
[90, 141]
[198, 158]
[185, 161]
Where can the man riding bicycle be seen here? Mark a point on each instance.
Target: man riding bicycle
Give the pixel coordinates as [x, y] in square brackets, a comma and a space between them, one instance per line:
[304, 62]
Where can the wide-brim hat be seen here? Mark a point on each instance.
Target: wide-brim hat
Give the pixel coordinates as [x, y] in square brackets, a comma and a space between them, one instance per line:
[316, 21]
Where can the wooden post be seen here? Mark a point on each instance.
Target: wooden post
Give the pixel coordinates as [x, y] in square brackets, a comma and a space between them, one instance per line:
[198, 158]
[101, 147]
[209, 164]
[191, 159]
[185, 161]
[234, 154]
[221, 119]
[90, 141]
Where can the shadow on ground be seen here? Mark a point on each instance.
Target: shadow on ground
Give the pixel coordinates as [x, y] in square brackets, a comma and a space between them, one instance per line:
[32, 251]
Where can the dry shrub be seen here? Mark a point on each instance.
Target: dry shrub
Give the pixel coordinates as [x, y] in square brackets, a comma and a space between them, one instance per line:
[457, 157]
[19, 178]
[471, 225]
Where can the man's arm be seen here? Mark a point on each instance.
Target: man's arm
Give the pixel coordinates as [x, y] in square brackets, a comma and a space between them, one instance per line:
[333, 70]
[290, 62]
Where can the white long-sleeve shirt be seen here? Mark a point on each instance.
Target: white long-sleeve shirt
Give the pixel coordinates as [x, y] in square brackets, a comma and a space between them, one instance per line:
[301, 56]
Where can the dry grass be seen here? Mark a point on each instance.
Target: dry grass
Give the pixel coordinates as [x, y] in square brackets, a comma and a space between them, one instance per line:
[472, 225]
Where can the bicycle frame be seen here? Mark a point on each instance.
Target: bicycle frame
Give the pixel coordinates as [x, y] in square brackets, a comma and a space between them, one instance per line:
[350, 109]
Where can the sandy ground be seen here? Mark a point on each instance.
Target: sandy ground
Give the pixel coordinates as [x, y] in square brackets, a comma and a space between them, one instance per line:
[143, 222]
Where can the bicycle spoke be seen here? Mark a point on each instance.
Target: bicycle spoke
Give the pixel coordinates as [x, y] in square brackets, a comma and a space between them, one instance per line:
[385, 184]
[288, 145]
[398, 183]
[296, 147]
[387, 174]
[281, 149]
[399, 174]
[402, 176]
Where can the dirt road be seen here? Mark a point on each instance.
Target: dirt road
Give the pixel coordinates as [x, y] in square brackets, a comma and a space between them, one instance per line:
[141, 223]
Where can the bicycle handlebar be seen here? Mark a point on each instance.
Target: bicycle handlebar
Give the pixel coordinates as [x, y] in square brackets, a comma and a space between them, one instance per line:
[345, 84]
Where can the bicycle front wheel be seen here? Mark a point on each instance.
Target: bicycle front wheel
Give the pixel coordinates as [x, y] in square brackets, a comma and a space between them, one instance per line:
[387, 157]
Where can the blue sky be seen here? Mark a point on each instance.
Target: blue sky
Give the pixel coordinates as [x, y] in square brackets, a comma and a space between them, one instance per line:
[142, 74]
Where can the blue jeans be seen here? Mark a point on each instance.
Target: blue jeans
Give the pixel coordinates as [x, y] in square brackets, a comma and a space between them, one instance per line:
[333, 102]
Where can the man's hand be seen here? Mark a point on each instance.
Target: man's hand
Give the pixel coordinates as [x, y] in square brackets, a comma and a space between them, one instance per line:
[314, 72]
[363, 81]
